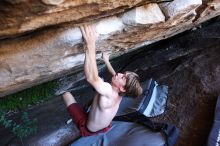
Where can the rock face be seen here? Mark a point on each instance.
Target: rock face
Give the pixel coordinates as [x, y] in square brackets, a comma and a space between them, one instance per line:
[178, 7]
[20, 16]
[48, 53]
[188, 64]
[147, 14]
[53, 2]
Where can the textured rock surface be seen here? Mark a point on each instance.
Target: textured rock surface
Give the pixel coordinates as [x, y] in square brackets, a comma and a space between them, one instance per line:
[20, 16]
[53, 2]
[177, 7]
[188, 64]
[54, 51]
[148, 14]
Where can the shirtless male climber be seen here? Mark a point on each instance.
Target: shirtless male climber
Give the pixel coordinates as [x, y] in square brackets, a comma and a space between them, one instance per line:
[106, 103]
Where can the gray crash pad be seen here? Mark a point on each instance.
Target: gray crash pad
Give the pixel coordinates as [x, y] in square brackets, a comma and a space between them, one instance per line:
[123, 134]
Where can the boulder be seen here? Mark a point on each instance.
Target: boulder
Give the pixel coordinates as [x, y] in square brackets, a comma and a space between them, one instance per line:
[52, 52]
[147, 14]
[177, 7]
[53, 2]
[22, 16]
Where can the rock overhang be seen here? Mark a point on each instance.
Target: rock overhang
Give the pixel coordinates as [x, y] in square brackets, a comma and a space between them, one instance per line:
[45, 55]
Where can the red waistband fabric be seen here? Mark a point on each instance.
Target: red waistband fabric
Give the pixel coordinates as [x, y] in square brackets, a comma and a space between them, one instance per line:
[80, 119]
